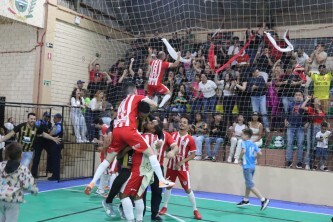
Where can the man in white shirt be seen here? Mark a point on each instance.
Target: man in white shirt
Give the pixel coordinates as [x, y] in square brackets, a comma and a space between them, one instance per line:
[301, 57]
[207, 88]
[318, 57]
[322, 147]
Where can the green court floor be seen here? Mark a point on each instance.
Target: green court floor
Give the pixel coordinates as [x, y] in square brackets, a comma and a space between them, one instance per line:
[71, 205]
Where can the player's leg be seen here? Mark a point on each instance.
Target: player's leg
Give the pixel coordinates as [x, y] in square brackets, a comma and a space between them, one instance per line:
[167, 94]
[184, 178]
[172, 176]
[156, 198]
[139, 209]
[248, 174]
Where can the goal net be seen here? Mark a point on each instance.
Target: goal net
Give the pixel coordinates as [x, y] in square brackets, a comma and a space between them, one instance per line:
[242, 61]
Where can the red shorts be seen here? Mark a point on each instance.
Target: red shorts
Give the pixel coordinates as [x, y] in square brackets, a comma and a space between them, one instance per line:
[132, 185]
[184, 177]
[127, 136]
[160, 89]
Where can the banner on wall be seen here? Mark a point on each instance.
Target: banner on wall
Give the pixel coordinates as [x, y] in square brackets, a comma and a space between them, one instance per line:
[27, 11]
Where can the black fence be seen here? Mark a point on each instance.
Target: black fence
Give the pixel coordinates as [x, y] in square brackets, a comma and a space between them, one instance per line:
[77, 159]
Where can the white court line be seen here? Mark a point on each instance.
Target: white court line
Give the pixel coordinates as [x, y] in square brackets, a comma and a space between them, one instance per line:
[169, 215]
[278, 208]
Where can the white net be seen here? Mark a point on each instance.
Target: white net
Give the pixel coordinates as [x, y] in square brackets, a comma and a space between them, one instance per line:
[111, 33]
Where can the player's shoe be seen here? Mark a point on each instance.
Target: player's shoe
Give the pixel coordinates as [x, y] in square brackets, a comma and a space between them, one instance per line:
[197, 215]
[163, 211]
[264, 204]
[166, 184]
[108, 209]
[243, 203]
[156, 219]
[88, 188]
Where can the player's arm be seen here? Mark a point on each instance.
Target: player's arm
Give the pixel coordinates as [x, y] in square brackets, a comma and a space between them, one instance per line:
[7, 137]
[173, 152]
[131, 67]
[150, 102]
[149, 58]
[57, 140]
[175, 64]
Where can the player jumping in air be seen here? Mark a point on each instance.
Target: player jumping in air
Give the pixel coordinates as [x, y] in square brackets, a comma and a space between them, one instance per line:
[157, 69]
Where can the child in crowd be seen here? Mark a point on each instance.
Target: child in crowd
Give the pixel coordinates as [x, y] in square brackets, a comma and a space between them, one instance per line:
[249, 153]
[14, 179]
[179, 104]
[322, 147]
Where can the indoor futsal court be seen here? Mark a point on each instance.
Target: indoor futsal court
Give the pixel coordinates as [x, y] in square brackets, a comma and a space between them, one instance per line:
[64, 202]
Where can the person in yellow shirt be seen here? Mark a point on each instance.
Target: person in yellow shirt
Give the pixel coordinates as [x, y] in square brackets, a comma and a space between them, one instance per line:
[322, 85]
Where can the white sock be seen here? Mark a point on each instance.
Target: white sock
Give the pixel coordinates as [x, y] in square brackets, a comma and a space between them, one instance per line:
[128, 208]
[155, 99]
[167, 194]
[100, 170]
[139, 208]
[112, 178]
[103, 182]
[191, 197]
[262, 199]
[164, 100]
[156, 167]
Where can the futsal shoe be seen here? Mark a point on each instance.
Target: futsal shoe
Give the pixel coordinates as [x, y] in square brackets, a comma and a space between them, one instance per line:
[156, 219]
[166, 184]
[197, 215]
[108, 209]
[88, 188]
[264, 204]
[121, 212]
[243, 203]
[163, 211]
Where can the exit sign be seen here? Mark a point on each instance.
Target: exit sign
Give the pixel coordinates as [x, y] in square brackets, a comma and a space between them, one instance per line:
[47, 82]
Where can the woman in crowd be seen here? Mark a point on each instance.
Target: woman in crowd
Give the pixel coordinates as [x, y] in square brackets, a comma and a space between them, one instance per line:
[257, 128]
[236, 139]
[199, 131]
[140, 80]
[96, 106]
[77, 118]
[196, 101]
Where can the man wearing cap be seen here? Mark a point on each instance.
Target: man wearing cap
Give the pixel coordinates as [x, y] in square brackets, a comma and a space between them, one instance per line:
[56, 131]
[79, 84]
[41, 143]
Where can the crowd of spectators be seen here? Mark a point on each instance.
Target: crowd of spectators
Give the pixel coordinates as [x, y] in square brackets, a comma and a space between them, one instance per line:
[264, 87]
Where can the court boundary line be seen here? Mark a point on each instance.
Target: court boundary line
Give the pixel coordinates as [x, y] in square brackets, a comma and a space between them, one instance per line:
[278, 208]
[203, 198]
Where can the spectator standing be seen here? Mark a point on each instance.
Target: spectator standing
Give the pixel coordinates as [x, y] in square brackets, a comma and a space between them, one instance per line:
[316, 118]
[97, 84]
[289, 83]
[113, 88]
[207, 88]
[322, 147]
[126, 78]
[41, 143]
[56, 132]
[175, 42]
[140, 81]
[295, 122]
[96, 105]
[301, 57]
[216, 135]
[234, 49]
[93, 69]
[196, 101]
[156, 42]
[257, 87]
[264, 62]
[77, 117]
[243, 93]
[254, 44]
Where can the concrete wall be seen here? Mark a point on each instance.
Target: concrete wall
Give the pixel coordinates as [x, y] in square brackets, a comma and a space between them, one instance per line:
[17, 70]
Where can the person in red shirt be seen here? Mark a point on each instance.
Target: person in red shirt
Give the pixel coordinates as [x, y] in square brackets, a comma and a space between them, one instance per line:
[140, 177]
[157, 70]
[125, 133]
[178, 166]
[93, 69]
[316, 118]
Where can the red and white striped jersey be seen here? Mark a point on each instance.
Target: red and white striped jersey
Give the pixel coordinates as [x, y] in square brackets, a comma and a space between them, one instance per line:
[158, 68]
[138, 158]
[186, 146]
[167, 142]
[128, 112]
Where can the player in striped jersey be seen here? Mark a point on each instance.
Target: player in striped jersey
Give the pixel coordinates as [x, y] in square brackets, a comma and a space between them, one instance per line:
[179, 167]
[140, 178]
[125, 133]
[27, 132]
[157, 70]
